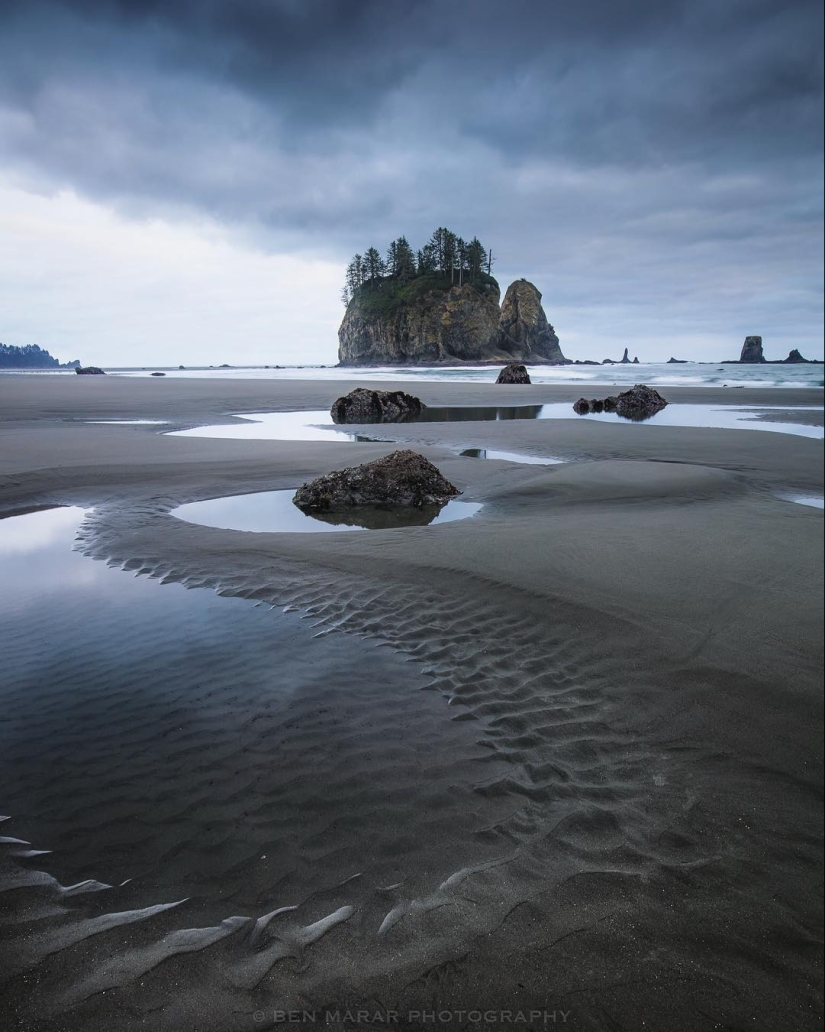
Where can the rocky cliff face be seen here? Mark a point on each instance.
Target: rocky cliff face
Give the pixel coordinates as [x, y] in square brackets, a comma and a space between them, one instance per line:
[523, 327]
[427, 322]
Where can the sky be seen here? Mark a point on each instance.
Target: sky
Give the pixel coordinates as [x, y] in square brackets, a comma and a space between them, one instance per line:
[184, 181]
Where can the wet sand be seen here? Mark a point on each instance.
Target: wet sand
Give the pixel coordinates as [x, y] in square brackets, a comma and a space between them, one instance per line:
[610, 806]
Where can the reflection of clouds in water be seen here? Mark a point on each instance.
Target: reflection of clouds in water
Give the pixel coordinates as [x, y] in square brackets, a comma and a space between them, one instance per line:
[813, 501]
[275, 512]
[36, 530]
[299, 426]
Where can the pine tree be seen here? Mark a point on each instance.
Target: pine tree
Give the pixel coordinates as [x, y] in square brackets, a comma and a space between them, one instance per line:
[374, 267]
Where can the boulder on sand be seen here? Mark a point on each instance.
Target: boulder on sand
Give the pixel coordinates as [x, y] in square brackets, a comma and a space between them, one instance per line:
[365, 406]
[403, 478]
[514, 373]
[640, 402]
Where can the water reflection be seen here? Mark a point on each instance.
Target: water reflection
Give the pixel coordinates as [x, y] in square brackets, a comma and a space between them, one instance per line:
[274, 512]
[814, 501]
[315, 425]
[32, 530]
[507, 456]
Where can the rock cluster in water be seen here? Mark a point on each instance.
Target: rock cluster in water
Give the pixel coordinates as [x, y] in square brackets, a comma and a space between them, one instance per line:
[513, 373]
[89, 370]
[403, 478]
[640, 402]
[367, 406]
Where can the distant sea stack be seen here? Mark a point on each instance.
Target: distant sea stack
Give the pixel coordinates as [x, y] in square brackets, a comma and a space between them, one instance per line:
[440, 305]
[752, 355]
[752, 351]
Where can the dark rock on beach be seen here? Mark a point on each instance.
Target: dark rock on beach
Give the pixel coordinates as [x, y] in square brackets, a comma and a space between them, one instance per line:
[89, 370]
[640, 402]
[403, 478]
[367, 406]
[157, 374]
[513, 373]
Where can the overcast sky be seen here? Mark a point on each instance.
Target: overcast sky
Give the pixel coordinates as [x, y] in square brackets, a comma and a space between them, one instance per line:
[184, 181]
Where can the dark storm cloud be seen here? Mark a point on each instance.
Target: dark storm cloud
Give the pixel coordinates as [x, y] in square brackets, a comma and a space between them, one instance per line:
[598, 139]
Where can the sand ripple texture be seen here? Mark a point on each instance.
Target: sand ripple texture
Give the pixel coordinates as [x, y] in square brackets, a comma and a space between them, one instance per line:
[262, 814]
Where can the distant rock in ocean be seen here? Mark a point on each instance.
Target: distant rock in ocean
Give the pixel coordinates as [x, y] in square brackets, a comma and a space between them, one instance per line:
[752, 351]
[752, 355]
[403, 478]
[513, 373]
[625, 359]
[677, 361]
[89, 370]
[367, 406]
[795, 358]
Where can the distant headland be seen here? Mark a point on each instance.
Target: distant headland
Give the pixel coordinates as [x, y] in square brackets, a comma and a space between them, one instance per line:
[31, 357]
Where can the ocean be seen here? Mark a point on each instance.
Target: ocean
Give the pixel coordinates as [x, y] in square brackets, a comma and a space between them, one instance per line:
[690, 374]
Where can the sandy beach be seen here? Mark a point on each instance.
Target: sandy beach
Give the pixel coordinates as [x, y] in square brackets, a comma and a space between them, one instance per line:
[605, 807]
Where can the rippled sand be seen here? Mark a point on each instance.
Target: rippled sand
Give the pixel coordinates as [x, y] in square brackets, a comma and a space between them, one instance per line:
[583, 776]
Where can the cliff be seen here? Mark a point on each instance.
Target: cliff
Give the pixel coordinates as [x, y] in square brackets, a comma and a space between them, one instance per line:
[524, 331]
[429, 320]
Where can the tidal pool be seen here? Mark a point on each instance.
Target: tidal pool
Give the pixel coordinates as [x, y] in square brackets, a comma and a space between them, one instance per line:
[274, 512]
[316, 424]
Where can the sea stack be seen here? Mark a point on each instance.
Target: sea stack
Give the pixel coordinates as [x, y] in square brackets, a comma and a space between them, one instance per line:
[524, 330]
[752, 351]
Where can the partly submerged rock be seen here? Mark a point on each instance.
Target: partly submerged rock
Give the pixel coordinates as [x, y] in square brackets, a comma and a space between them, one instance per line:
[640, 402]
[625, 359]
[752, 351]
[403, 478]
[89, 370]
[795, 358]
[513, 373]
[366, 406]
[676, 361]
